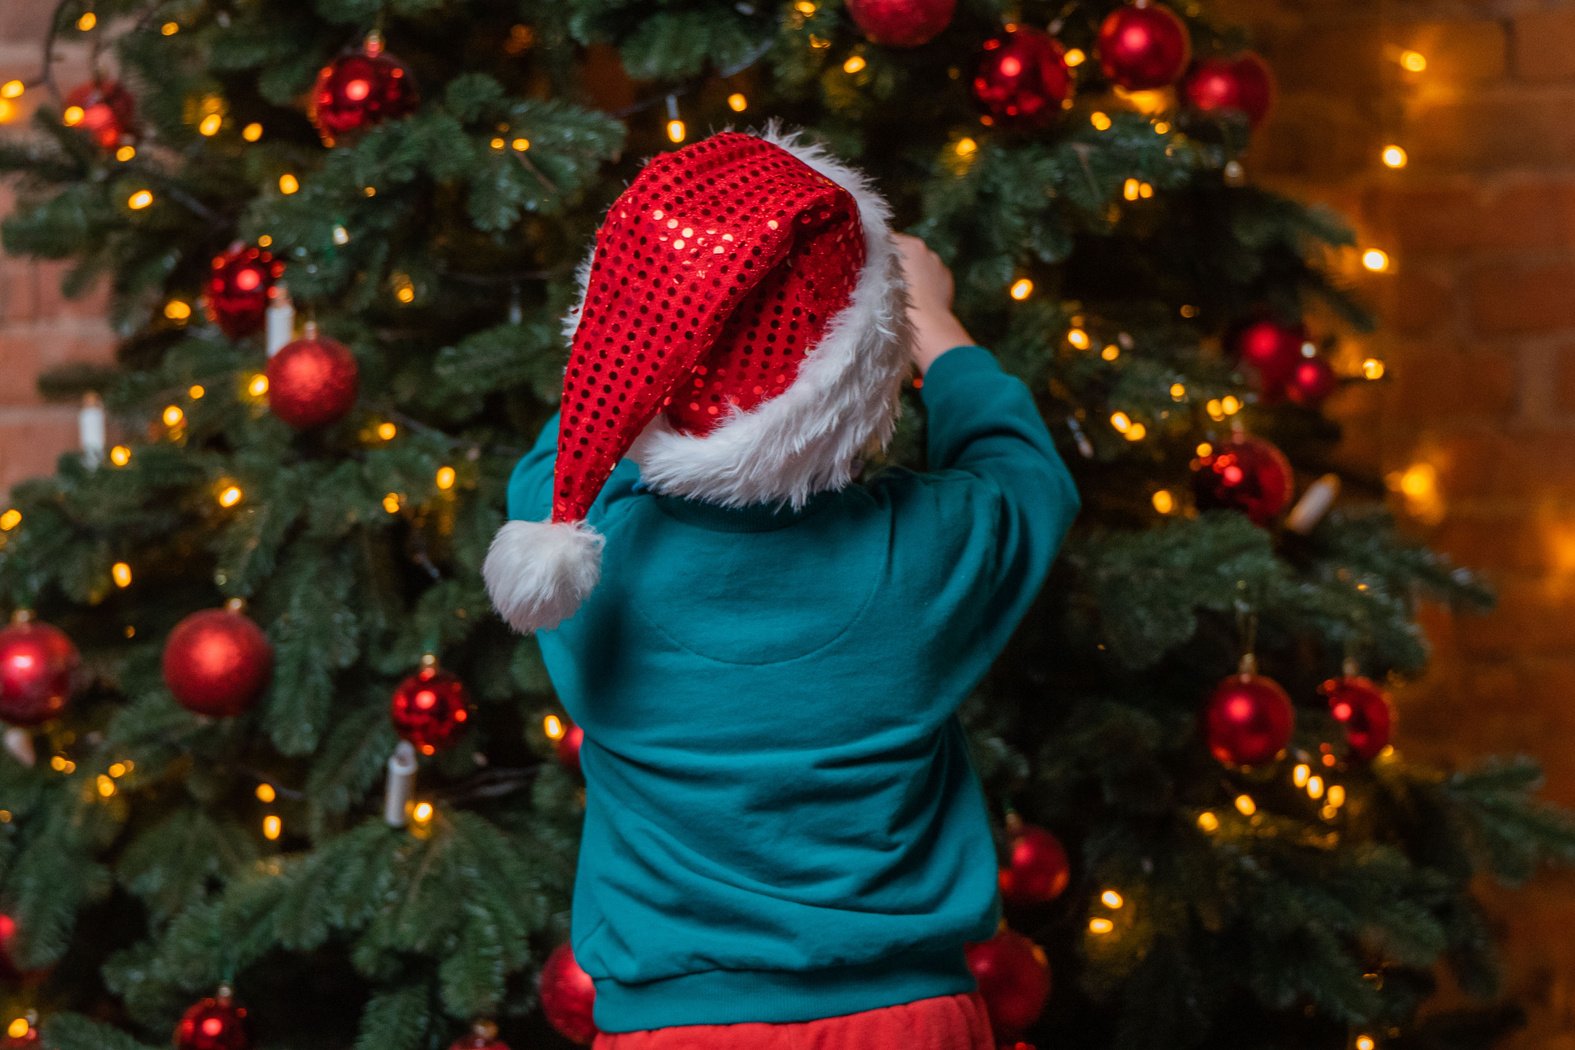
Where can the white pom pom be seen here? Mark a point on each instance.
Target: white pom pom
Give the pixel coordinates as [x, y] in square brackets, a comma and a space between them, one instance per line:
[538, 572]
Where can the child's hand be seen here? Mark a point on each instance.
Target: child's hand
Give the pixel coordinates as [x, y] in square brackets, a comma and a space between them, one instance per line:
[935, 328]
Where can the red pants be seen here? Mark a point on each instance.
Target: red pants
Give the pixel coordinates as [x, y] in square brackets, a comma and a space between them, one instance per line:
[946, 1022]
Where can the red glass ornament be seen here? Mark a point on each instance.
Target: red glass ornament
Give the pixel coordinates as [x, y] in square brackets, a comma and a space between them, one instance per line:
[216, 662]
[1037, 869]
[1023, 79]
[1310, 382]
[1248, 720]
[1361, 706]
[1270, 348]
[567, 996]
[484, 1036]
[1243, 84]
[360, 89]
[1143, 46]
[240, 286]
[429, 708]
[1014, 979]
[37, 665]
[8, 968]
[1246, 474]
[216, 1023]
[108, 113]
[569, 747]
[312, 381]
[901, 23]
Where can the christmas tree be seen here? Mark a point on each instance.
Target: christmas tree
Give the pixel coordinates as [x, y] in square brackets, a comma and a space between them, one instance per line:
[276, 775]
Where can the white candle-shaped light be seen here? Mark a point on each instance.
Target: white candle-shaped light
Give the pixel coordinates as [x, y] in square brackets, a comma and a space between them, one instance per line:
[90, 429]
[19, 742]
[1314, 504]
[281, 321]
[401, 785]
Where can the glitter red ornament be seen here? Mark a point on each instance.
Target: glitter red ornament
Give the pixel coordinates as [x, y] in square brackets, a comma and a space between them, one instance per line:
[312, 381]
[1248, 719]
[567, 996]
[37, 665]
[1023, 80]
[569, 747]
[240, 287]
[430, 707]
[1359, 704]
[1244, 473]
[104, 111]
[1013, 976]
[215, 1023]
[1311, 381]
[901, 23]
[1143, 46]
[217, 662]
[1036, 869]
[1242, 84]
[482, 1036]
[360, 89]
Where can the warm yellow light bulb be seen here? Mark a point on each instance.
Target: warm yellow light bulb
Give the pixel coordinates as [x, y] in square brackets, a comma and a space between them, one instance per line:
[1111, 899]
[120, 455]
[230, 495]
[12, 89]
[446, 478]
[1300, 774]
[173, 415]
[1162, 127]
[1137, 432]
[10, 519]
[499, 143]
[210, 125]
[1394, 157]
[422, 812]
[1336, 795]
[520, 144]
[265, 241]
[258, 385]
[1074, 57]
[121, 573]
[1245, 805]
[87, 21]
[1022, 288]
[139, 200]
[1131, 189]
[1413, 61]
[1145, 190]
[406, 293]
[737, 102]
[106, 786]
[1078, 338]
[676, 131]
[1100, 925]
[119, 769]
[854, 64]
[1178, 391]
[1364, 1042]
[1372, 368]
[177, 310]
[196, 391]
[387, 431]
[170, 28]
[1230, 404]
[1376, 260]
[252, 132]
[552, 725]
[805, 7]
[272, 827]
[966, 147]
[288, 184]
[391, 503]
[1110, 352]
[18, 1028]
[1164, 502]
[1205, 449]
[266, 793]
[72, 116]
[1121, 421]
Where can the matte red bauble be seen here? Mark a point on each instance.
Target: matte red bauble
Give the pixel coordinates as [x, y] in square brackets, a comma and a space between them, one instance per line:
[240, 286]
[216, 1023]
[1270, 348]
[1246, 474]
[37, 665]
[1023, 79]
[569, 747]
[360, 89]
[484, 1036]
[217, 662]
[1248, 720]
[1036, 868]
[8, 968]
[1361, 706]
[1243, 84]
[1014, 980]
[312, 381]
[567, 996]
[429, 708]
[1143, 46]
[104, 111]
[1310, 382]
[901, 23]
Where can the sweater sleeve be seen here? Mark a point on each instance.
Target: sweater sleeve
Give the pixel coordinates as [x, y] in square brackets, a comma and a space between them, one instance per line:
[1002, 497]
[530, 483]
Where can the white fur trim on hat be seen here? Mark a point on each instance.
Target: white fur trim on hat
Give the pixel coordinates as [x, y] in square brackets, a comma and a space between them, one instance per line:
[538, 572]
[807, 438]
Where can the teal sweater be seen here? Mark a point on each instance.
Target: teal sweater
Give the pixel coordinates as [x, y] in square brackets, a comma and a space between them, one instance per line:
[782, 820]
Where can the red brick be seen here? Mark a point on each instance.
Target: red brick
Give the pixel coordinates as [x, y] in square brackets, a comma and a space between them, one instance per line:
[1463, 213]
[1420, 299]
[1491, 130]
[1564, 378]
[1448, 382]
[29, 350]
[1512, 540]
[1523, 295]
[1533, 616]
[1315, 135]
[31, 441]
[1545, 44]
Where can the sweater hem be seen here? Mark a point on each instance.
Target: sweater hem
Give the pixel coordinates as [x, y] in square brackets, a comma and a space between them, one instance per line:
[778, 996]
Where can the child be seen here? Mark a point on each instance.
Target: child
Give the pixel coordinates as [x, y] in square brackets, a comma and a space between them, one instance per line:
[785, 843]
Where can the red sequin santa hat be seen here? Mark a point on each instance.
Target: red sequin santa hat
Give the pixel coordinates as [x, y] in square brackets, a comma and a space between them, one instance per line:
[741, 335]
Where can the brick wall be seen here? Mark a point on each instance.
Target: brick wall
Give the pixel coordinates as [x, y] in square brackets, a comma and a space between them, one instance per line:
[1478, 331]
[38, 329]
